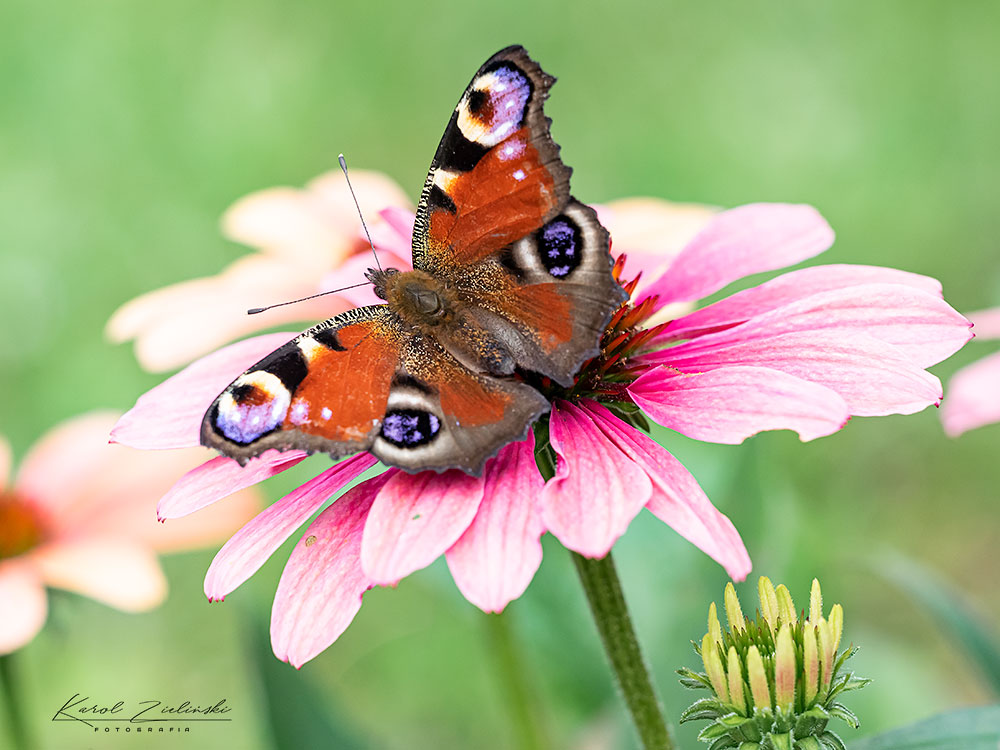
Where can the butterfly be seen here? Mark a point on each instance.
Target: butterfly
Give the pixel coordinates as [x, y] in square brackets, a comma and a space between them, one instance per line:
[511, 277]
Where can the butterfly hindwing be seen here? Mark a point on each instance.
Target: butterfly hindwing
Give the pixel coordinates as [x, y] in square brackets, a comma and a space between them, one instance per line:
[554, 288]
[443, 415]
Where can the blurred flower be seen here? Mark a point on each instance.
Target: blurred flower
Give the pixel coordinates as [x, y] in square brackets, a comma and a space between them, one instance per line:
[302, 236]
[803, 352]
[79, 517]
[774, 680]
[974, 391]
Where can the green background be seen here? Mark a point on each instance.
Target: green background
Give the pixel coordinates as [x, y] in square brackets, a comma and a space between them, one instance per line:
[127, 128]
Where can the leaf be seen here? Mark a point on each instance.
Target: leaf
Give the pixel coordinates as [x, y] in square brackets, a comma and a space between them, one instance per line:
[703, 708]
[966, 729]
[945, 604]
[695, 680]
[843, 713]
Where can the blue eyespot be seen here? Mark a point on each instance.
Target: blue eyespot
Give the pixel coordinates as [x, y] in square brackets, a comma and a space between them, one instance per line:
[410, 428]
[247, 412]
[559, 247]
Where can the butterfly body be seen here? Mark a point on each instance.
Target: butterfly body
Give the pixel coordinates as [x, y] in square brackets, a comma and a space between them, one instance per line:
[510, 275]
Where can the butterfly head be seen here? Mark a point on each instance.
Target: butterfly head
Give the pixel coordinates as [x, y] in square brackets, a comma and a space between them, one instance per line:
[380, 280]
[417, 297]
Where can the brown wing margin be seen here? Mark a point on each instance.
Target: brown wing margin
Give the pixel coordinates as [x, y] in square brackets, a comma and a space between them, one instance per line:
[326, 390]
[496, 175]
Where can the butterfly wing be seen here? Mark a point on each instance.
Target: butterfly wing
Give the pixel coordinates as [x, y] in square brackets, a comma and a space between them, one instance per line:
[364, 381]
[325, 390]
[496, 220]
[442, 415]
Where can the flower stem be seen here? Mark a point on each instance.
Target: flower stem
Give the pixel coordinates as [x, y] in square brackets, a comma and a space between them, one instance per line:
[18, 729]
[513, 676]
[604, 593]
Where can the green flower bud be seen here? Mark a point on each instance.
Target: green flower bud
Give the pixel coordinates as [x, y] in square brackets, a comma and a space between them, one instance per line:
[775, 680]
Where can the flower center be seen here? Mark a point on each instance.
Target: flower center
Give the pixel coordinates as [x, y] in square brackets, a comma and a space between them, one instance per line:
[21, 527]
[607, 376]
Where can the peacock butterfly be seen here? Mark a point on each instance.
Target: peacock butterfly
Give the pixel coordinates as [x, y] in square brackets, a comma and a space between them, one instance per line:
[511, 275]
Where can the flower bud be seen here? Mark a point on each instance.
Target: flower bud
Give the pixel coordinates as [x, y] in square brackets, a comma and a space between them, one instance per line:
[772, 656]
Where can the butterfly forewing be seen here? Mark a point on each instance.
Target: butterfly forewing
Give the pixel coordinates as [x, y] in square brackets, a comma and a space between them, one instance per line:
[497, 221]
[325, 390]
[496, 175]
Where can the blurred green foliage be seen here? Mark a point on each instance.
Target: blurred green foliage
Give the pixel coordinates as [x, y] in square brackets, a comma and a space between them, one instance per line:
[127, 128]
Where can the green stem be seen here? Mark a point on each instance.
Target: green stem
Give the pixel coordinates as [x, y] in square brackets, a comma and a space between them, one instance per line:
[8, 678]
[513, 676]
[604, 593]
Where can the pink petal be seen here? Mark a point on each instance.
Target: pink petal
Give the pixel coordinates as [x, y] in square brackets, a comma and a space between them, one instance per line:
[112, 570]
[729, 404]
[87, 486]
[921, 326]
[251, 546]
[400, 220]
[170, 415]
[987, 323]
[873, 377]
[352, 271]
[415, 519]
[787, 288]
[175, 325]
[495, 559]
[677, 499]
[973, 397]
[375, 192]
[739, 242]
[219, 478]
[596, 491]
[321, 587]
[651, 232]
[24, 604]
[58, 468]
[293, 224]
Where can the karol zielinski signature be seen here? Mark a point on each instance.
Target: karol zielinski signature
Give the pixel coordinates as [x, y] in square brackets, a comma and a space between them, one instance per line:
[81, 708]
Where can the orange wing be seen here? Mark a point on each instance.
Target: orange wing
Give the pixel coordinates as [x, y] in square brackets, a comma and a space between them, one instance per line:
[325, 390]
[496, 175]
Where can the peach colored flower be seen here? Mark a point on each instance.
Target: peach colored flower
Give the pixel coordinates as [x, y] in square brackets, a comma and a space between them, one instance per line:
[302, 234]
[974, 391]
[804, 351]
[79, 516]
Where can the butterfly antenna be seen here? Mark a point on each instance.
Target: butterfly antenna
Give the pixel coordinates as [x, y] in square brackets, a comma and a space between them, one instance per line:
[255, 310]
[343, 166]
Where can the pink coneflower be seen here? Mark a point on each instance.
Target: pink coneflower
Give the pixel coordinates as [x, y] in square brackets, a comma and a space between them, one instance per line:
[974, 391]
[78, 517]
[804, 351]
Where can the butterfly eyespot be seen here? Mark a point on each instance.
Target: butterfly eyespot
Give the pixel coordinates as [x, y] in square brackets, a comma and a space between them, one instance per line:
[253, 406]
[560, 246]
[495, 105]
[410, 428]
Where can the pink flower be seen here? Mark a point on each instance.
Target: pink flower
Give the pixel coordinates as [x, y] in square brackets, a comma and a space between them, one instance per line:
[303, 235]
[804, 351]
[974, 391]
[78, 517]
